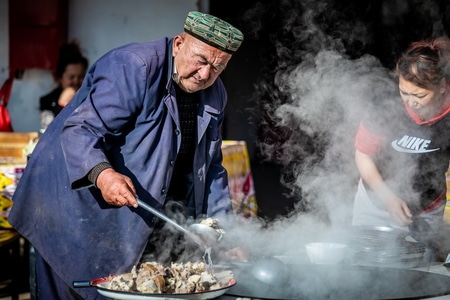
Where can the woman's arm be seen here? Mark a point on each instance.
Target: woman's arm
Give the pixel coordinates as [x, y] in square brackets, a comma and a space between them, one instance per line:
[397, 207]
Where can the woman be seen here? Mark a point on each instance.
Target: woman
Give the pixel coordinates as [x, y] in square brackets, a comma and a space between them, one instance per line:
[403, 147]
[70, 71]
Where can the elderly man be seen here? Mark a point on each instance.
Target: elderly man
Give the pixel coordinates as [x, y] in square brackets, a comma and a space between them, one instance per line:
[146, 123]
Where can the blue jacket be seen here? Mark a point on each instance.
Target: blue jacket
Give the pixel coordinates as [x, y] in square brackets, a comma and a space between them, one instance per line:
[125, 113]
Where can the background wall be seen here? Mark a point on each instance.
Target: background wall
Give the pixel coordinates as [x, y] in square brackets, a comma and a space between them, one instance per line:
[98, 25]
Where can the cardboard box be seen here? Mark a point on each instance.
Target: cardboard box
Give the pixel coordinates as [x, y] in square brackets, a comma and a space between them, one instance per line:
[12, 145]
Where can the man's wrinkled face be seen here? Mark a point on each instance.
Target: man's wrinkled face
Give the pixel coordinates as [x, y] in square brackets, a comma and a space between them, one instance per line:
[198, 64]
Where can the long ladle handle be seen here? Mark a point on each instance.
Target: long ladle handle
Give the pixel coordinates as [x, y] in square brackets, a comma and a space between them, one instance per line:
[162, 216]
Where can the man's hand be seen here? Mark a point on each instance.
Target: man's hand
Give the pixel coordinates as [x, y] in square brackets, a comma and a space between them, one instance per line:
[117, 189]
[235, 254]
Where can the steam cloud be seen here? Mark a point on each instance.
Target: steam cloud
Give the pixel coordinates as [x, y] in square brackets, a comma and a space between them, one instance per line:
[320, 85]
[320, 95]
[323, 83]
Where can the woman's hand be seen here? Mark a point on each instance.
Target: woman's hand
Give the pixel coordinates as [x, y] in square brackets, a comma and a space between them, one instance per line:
[117, 189]
[399, 211]
[397, 208]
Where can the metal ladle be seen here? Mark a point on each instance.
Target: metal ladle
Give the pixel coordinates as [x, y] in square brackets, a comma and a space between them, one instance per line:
[201, 234]
[270, 270]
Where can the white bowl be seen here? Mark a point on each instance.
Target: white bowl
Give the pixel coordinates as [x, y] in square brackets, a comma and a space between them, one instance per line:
[326, 253]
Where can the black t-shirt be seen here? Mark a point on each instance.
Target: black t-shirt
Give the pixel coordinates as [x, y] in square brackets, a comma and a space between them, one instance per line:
[50, 101]
[413, 157]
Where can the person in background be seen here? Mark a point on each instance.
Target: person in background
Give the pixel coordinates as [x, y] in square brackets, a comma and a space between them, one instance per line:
[403, 146]
[69, 74]
[146, 123]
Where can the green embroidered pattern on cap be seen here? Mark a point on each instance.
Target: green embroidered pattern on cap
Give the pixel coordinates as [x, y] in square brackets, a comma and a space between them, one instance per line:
[213, 31]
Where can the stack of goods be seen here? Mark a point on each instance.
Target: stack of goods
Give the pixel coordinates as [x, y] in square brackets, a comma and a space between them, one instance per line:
[14, 150]
[10, 173]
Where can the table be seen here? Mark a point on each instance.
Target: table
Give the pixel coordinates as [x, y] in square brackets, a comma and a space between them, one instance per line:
[11, 169]
[10, 242]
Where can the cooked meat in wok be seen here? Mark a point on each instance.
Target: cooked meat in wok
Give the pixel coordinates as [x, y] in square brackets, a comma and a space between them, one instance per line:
[153, 277]
[214, 223]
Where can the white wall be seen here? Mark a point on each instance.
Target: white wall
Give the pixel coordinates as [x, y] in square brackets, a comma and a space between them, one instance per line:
[101, 25]
[98, 25]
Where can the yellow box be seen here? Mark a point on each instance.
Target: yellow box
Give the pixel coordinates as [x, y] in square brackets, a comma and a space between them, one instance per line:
[447, 213]
[240, 180]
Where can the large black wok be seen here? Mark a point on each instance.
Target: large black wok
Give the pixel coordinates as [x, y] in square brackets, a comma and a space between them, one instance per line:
[343, 282]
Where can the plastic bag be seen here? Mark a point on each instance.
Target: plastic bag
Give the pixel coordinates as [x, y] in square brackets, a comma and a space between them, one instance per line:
[5, 119]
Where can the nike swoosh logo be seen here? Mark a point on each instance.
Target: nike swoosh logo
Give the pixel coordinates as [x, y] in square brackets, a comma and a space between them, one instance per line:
[406, 150]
